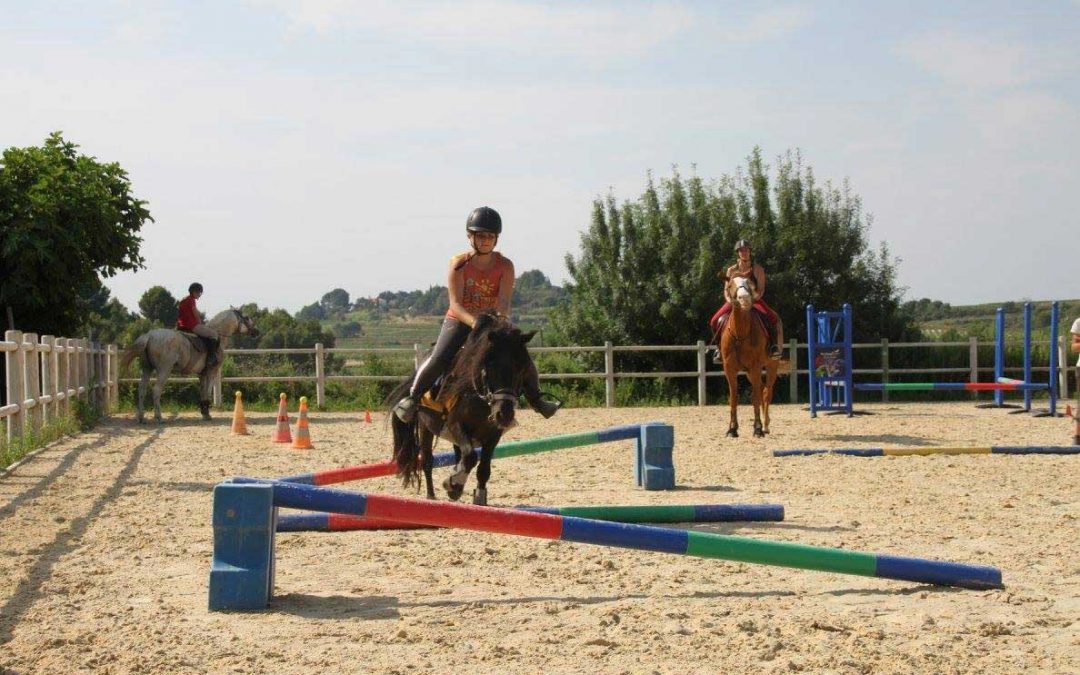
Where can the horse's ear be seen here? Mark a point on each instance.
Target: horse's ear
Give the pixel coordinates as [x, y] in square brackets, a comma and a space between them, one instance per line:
[525, 337]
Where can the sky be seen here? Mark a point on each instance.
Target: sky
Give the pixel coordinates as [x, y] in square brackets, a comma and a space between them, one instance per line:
[289, 148]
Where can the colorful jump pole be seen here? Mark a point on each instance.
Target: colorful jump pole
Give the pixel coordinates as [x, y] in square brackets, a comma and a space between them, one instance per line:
[901, 452]
[645, 513]
[241, 575]
[653, 467]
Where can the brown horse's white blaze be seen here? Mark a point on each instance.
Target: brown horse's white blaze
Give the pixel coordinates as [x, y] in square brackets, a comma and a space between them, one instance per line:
[744, 346]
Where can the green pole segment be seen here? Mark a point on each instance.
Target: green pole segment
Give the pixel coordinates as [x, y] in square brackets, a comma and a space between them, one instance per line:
[633, 514]
[801, 556]
[534, 446]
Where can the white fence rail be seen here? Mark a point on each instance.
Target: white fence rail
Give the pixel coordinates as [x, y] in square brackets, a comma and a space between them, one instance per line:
[44, 376]
[610, 375]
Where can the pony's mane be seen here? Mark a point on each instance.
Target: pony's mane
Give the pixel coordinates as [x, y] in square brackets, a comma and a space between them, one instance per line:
[470, 360]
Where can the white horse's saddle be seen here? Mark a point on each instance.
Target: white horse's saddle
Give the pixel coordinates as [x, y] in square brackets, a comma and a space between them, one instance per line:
[198, 343]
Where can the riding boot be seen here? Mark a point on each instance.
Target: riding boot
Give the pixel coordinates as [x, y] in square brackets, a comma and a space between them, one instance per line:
[531, 389]
[211, 352]
[429, 371]
[774, 349]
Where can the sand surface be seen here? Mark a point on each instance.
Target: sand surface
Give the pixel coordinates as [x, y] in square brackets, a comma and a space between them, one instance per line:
[105, 547]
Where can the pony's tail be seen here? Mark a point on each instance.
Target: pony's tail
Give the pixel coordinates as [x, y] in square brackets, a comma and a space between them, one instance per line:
[406, 450]
[139, 347]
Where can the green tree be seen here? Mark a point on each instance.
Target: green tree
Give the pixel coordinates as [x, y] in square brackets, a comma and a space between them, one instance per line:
[108, 318]
[336, 301]
[66, 220]
[647, 271]
[159, 305]
[313, 312]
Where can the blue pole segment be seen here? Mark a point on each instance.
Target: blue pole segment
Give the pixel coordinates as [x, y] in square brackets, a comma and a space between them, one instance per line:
[811, 378]
[319, 499]
[625, 432]
[625, 535]
[304, 522]
[935, 572]
[1054, 310]
[849, 370]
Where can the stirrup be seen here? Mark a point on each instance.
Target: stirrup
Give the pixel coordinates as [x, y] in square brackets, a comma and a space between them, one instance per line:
[405, 410]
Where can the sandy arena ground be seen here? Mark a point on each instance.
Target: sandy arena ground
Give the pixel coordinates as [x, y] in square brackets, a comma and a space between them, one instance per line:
[105, 546]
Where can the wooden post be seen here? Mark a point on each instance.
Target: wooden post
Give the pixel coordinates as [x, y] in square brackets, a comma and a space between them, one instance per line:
[418, 356]
[973, 362]
[885, 369]
[15, 367]
[33, 380]
[609, 374]
[114, 377]
[48, 378]
[793, 375]
[320, 376]
[67, 364]
[702, 365]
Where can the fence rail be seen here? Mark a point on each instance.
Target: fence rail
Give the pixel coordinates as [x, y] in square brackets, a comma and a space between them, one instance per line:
[610, 375]
[44, 375]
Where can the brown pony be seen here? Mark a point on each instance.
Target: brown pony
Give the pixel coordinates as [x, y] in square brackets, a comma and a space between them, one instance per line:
[744, 345]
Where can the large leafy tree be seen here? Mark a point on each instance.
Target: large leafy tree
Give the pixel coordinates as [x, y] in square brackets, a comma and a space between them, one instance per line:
[66, 221]
[158, 305]
[108, 319]
[647, 270]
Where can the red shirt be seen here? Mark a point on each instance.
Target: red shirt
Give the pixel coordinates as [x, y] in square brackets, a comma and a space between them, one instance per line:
[187, 317]
[481, 286]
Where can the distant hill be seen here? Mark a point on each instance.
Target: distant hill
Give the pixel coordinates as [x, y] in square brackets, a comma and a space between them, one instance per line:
[941, 321]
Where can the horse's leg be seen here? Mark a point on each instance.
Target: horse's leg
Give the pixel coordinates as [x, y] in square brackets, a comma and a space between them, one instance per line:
[755, 396]
[163, 370]
[483, 472]
[143, 384]
[204, 395]
[427, 459]
[455, 482]
[732, 374]
[767, 394]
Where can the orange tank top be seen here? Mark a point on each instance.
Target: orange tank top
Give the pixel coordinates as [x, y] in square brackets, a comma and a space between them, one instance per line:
[481, 289]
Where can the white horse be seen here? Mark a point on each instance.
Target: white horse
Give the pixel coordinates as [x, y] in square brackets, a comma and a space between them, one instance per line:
[163, 349]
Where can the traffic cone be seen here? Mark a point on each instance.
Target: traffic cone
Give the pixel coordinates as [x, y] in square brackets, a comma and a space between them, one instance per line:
[281, 433]
[303, 436]
[1068, 410]
[367, 417]
[239, 424]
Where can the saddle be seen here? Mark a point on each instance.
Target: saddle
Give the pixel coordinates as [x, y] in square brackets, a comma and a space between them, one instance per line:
[762, 319]
[198, 342]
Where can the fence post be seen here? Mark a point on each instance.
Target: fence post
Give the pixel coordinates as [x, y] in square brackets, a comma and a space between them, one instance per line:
[793, 376]
[418, 356]
[16, 376]
[215, 390]
[702, 364]
[1063, 371]
[609, 375]
[114, 377]
[973, 362]
[80, 370]
[320, 376]
[885, 369]
[33, 381]
[66, 365]
[48, 379]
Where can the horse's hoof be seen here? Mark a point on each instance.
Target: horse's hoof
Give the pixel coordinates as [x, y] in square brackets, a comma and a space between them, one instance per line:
[479, 497]
[758, 433]
[733, 433]
[207, 418]
[453, 491]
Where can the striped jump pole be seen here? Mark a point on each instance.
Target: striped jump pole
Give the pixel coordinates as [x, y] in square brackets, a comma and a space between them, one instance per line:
[953, 386]
[901, 452]
[653, 467]
[241, 575]
[666, 513]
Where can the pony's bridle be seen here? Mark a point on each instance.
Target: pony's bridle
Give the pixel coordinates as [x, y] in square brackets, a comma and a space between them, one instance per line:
[490, 397]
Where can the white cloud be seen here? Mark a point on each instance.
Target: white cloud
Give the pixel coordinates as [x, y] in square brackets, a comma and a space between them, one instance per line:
[983, 63]
[598, 34]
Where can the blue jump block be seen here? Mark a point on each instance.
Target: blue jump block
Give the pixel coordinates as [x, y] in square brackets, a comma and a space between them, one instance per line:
[653, 468]
[242, 571]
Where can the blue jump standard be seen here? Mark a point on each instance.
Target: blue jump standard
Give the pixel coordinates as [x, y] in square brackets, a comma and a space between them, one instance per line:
[916, 450]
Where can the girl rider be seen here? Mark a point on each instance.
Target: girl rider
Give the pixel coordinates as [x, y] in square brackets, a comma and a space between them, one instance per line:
[746, 267]
[479, 280]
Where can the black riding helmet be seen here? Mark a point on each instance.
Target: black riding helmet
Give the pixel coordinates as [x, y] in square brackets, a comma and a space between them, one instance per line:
[195, 288]
[743, 243]
[484, 219]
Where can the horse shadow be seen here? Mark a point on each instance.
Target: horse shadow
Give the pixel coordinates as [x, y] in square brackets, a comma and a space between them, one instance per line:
[897, 439]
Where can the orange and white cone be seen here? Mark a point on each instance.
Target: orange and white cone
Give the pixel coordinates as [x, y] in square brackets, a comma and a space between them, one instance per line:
[281, 432]
[367, 417]
[303, 436]
[239, 424]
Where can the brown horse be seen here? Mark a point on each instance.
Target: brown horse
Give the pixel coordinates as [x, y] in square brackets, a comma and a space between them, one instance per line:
[744, 345]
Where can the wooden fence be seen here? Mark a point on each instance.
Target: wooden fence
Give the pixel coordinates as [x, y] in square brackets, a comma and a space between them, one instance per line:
[45, 375]
[610, 375]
